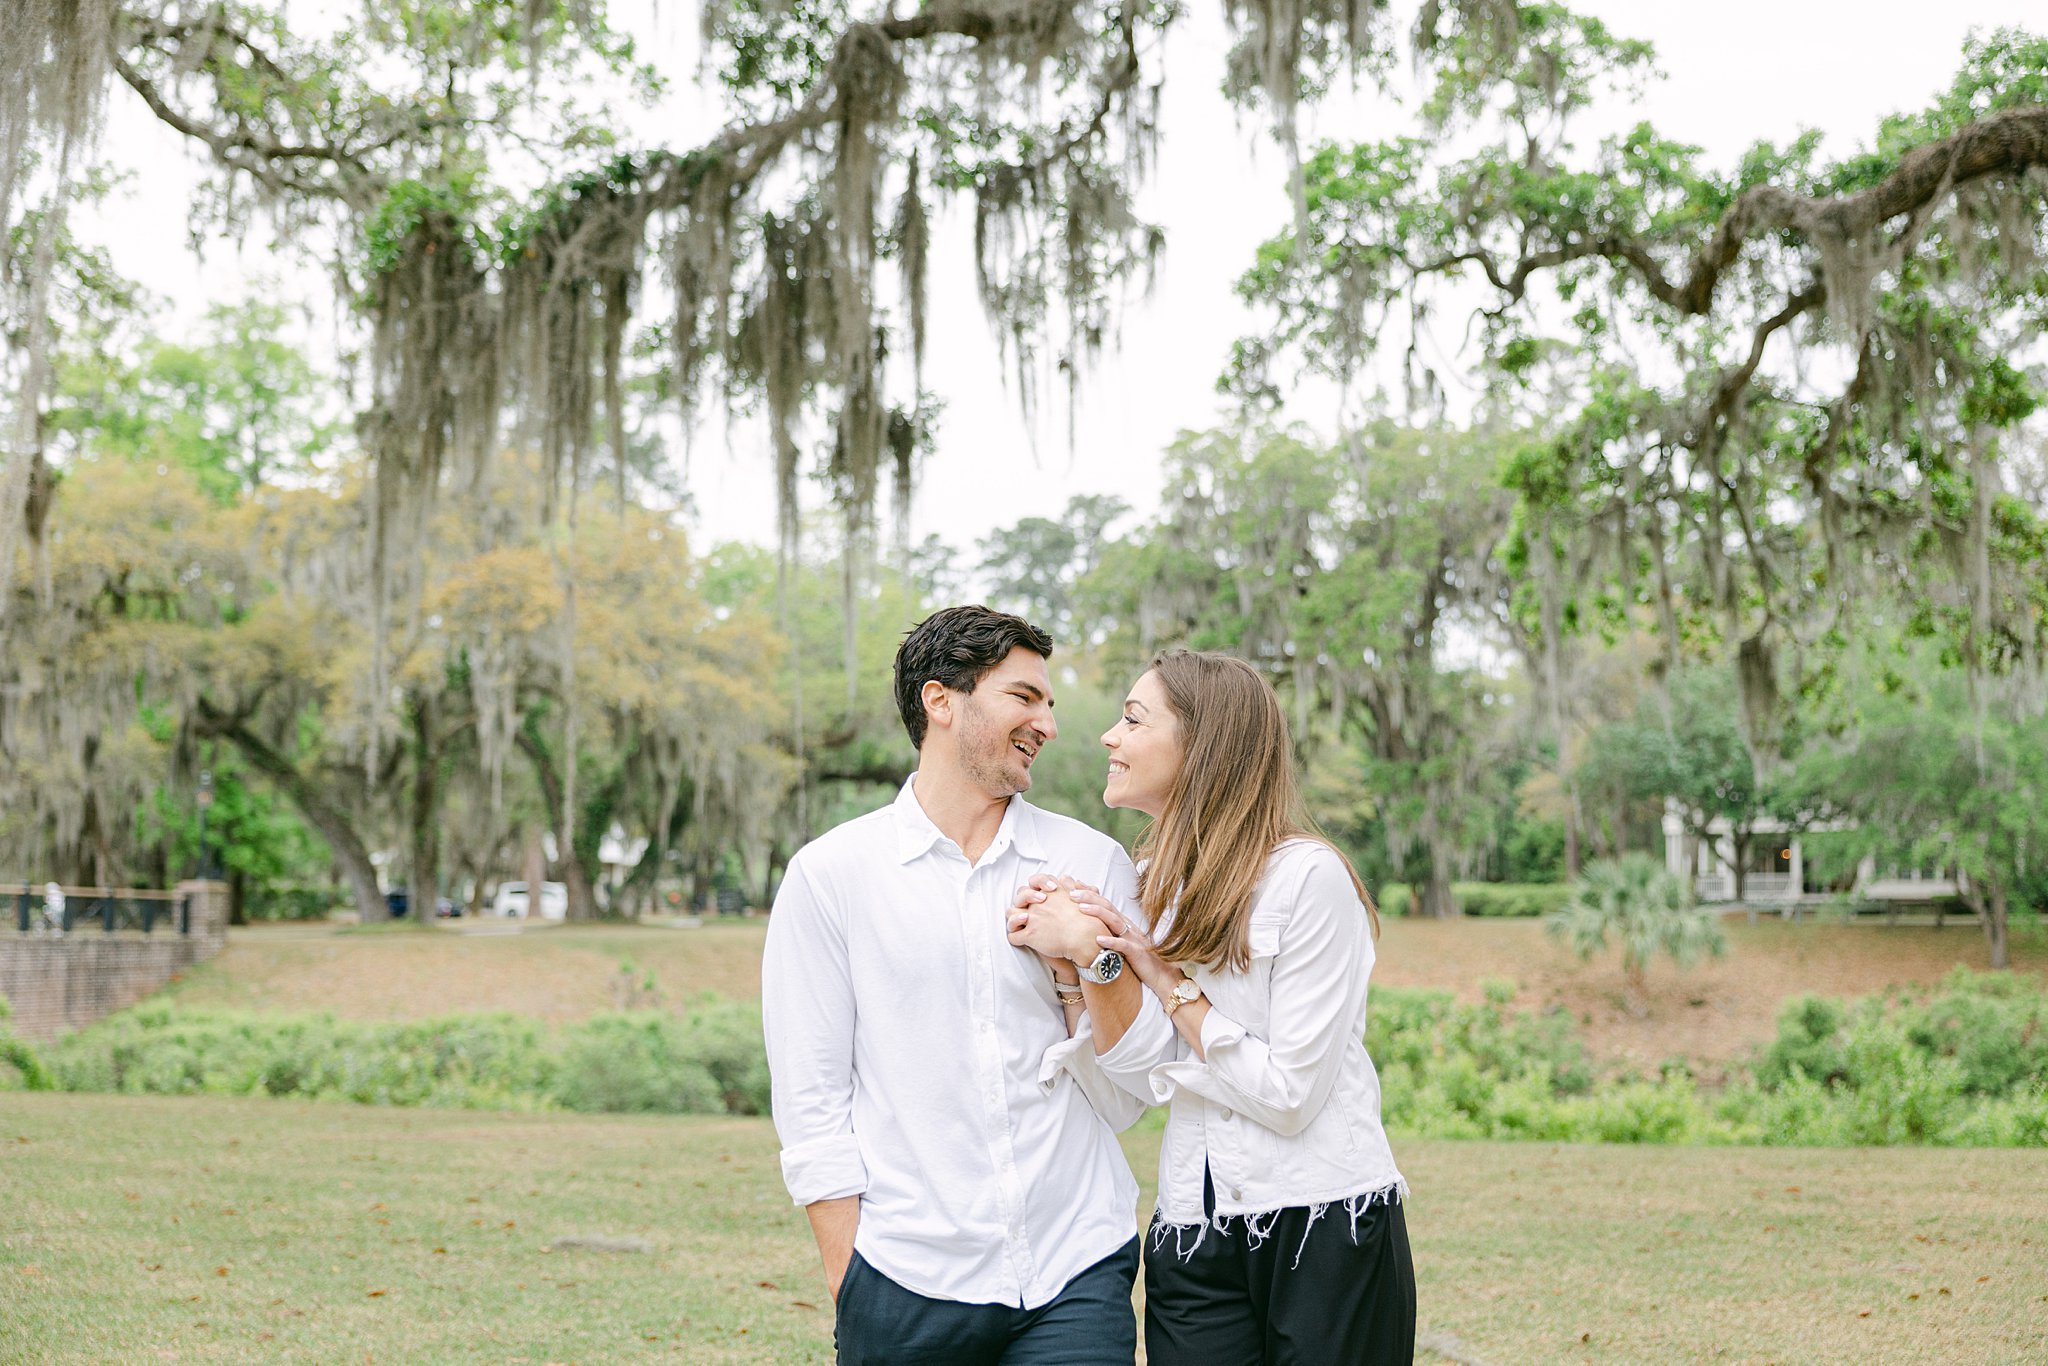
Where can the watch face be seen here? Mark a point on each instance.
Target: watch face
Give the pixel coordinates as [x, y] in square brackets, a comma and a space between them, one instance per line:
[1107, 965]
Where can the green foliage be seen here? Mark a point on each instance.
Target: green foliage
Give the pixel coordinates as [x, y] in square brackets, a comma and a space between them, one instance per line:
[1991, 1027]
[293, 903]
[1643, 905]
[1966, 1065]
[1493, 899]
[20, 1067]
[236, 406]
[709, 1060]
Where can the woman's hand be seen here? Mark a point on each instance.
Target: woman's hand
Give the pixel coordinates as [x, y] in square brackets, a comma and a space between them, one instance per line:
[1118, 931]
[1045, 919]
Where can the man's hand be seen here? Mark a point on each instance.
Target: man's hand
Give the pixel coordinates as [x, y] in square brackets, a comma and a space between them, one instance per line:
[833, 1223]
[1045, 919]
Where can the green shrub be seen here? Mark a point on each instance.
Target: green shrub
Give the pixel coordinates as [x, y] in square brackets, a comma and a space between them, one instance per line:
[293, 903]
[711, 1061]
[20, 1068]
[1806, 1043]
[634, 1064]
[1510, 899]
[1492, 899]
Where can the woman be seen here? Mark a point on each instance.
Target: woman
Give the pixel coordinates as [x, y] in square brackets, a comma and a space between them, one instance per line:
[1279, 1235]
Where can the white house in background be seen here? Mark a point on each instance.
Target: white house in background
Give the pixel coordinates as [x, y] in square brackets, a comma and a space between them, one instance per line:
[617, 857]
[1777, 872]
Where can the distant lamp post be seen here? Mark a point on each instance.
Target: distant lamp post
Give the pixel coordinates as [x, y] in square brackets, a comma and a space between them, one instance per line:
[205, 804]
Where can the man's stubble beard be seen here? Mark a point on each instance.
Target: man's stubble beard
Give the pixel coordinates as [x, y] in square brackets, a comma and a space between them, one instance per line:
[982, 755]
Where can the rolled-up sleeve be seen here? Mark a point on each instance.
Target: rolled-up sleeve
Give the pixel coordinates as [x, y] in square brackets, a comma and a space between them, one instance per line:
[1318, 988]
[807, 1014]
[1113, 1100]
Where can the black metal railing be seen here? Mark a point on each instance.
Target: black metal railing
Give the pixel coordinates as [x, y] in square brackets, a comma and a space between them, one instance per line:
[106, 909]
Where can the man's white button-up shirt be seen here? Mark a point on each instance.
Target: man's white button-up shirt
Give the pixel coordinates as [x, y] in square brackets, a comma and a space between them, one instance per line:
[921, 1062]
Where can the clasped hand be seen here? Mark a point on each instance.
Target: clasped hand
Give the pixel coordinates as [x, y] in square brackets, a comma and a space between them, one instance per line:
[1060, 918]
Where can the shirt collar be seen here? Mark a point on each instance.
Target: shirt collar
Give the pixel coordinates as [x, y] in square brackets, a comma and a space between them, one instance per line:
[915, 833]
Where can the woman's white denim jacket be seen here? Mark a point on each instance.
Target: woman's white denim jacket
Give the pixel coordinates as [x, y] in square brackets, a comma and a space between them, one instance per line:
[1285, 1111]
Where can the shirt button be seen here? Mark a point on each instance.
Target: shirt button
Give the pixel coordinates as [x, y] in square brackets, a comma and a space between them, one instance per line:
[1236, 1194]
[1226, 1114]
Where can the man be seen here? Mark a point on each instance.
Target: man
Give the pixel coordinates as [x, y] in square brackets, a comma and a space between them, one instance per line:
[953, 1147]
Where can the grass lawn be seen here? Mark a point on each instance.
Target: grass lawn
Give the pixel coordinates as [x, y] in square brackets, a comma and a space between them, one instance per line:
[140, 1229]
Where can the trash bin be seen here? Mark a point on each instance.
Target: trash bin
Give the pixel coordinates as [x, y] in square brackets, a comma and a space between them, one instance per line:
[395, 902]
[731, 901]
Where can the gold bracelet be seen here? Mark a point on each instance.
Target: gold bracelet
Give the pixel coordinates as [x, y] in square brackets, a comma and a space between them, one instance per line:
[1069, 993]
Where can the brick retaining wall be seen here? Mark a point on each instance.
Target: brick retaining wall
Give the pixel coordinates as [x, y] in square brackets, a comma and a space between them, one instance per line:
[63, 982]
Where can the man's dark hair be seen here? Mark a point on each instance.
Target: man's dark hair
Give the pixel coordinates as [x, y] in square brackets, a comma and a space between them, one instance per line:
[957, 646]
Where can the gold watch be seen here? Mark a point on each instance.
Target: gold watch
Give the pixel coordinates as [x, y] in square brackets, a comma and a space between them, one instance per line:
[1188, 990]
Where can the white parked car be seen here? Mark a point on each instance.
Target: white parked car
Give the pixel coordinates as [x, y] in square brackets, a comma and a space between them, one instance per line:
[512, 899]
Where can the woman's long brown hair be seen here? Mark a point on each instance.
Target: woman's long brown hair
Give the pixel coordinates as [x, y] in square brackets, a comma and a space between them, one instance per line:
[1234, 801]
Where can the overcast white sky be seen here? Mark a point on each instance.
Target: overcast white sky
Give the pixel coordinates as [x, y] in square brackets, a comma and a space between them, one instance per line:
[1735, 71]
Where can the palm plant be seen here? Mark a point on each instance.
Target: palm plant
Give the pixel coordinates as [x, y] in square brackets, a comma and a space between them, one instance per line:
[1648, 908]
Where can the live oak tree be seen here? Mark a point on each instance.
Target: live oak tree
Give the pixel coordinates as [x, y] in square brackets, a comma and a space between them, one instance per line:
[783, 255]
[1929, 776]
[1775, 392]
[1361, 578]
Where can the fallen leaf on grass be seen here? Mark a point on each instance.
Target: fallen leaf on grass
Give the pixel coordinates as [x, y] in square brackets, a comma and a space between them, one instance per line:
[220, 1271]
[768, 1285]
[1862, 1313]
[375, 1293]
[801, 1304]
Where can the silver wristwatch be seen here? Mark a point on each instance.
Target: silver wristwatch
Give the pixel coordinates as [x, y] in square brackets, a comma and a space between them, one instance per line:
[1105, 969]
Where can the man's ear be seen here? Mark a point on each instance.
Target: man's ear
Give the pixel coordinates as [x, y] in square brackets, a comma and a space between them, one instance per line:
[938, 703]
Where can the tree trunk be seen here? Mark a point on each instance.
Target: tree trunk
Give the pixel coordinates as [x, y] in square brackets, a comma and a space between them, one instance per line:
[582, 892]
[238, 898]
[1991, 905]
[533, 867]
[1739, 839]
[350, 855]
[1572, 858]
[777, 861]
[1434, 897]
[423, 876]
[702, 873]
[575, 877]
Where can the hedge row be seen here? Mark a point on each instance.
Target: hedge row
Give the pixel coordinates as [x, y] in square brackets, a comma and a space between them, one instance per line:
[1484, 898]
[1965, 1063]
[707, 1060]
